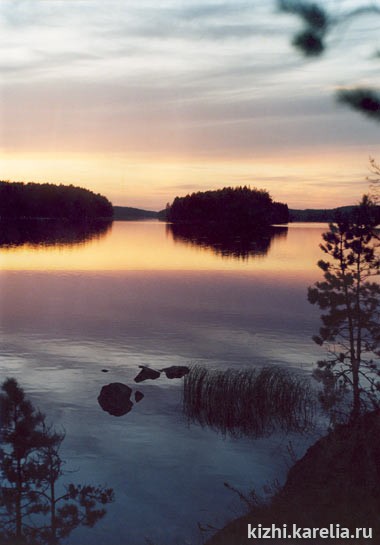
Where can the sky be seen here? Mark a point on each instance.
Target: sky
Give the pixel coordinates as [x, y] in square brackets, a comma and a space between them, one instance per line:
[142, 101]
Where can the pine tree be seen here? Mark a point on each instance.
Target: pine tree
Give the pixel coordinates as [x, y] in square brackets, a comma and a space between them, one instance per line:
[350, 295]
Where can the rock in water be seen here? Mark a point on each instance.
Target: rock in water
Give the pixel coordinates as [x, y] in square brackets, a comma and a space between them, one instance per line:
[138, 396]
[115, 399]
[147, 373]
[176, 371]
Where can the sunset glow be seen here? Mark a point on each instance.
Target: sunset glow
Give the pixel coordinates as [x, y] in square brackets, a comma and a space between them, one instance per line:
[143, 103]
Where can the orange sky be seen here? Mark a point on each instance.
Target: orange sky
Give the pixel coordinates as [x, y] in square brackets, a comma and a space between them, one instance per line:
[303, 181]
[143, 102]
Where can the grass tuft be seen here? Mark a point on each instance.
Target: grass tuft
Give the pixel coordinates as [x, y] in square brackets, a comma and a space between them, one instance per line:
[253, 402]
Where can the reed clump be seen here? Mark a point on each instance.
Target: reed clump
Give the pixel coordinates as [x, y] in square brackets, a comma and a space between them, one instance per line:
[254, 402]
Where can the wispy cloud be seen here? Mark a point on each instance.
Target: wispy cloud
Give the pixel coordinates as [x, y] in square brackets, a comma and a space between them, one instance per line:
[213, 78]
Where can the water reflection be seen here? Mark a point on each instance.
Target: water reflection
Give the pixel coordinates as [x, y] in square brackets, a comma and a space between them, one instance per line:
[50, 232]
[150, 246]
[160, 303]
[227, 241]
[35, 509]
[249, 401]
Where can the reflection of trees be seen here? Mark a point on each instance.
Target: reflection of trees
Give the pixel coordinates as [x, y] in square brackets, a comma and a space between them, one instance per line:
[50, 232]
[34, 508]
[248, 401]
[227, 241]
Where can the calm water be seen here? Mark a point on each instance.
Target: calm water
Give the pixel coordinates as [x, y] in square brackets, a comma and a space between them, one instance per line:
[139, 294]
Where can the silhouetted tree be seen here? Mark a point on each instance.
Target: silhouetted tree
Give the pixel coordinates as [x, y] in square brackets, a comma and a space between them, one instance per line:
[236, 206]
[77, 505]
[20, 200]
[374, 179]
[351, 300]
[31, 511]
[22, 435]
[318, 22]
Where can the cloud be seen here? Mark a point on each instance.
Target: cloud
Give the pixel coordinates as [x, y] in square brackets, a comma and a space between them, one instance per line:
[198, 79]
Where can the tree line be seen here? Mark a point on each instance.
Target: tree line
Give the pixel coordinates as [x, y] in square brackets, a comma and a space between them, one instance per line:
[231, 205]
[20, 200]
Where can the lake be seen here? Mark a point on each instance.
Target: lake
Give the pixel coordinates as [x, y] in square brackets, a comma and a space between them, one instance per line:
[141, 293]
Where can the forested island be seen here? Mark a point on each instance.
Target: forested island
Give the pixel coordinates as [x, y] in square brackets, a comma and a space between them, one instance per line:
[233, 207]
[20, 200]
[239, 206]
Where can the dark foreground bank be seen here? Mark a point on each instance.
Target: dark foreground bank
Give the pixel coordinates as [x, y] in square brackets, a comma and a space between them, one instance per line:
[336, 483]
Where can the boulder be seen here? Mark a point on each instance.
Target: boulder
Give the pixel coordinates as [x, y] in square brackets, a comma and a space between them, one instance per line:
[176, 371]
[138, 396]
[147, 373]
[115, 399]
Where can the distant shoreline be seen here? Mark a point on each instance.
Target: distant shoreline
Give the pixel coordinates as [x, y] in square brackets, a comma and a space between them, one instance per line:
[128, 213]
[309, 215]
